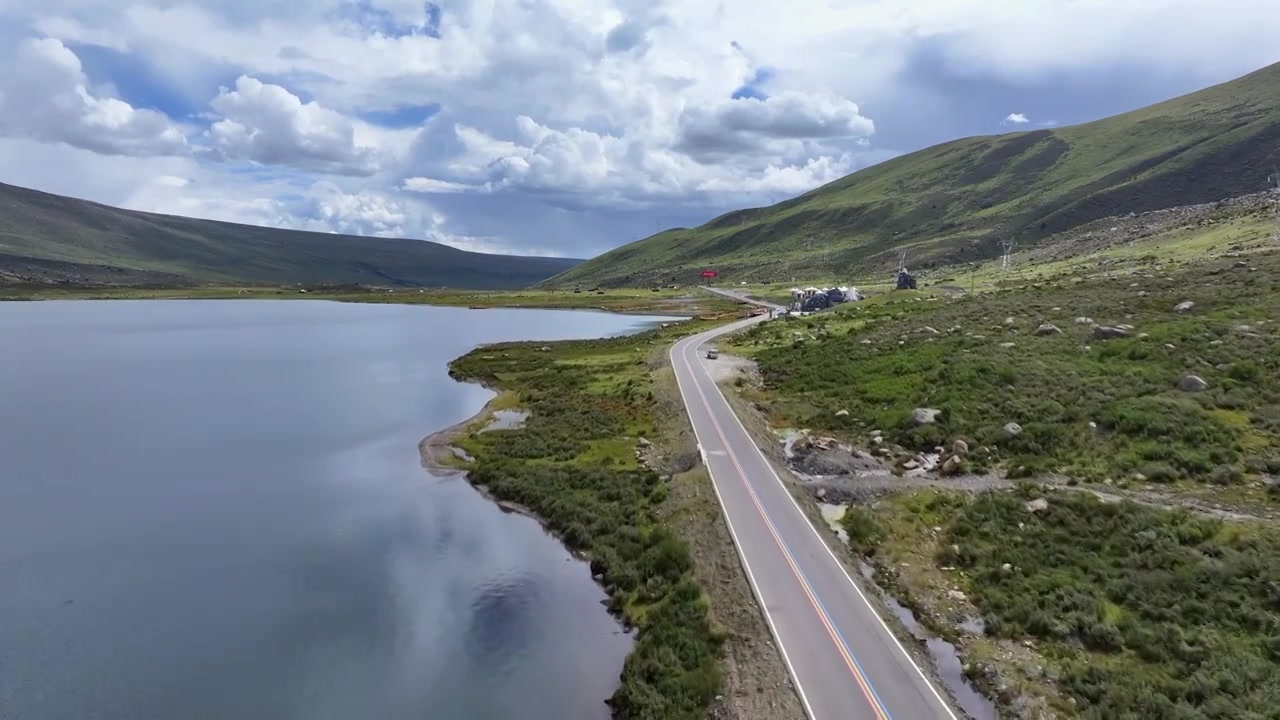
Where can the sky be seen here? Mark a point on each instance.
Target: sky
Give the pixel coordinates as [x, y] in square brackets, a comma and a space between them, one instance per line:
[558, 127]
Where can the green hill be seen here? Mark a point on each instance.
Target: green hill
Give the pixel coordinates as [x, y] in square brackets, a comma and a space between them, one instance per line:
[958, 201]
[48, 238]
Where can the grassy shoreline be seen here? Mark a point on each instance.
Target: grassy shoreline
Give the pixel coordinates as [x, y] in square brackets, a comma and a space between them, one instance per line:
[632, 301]
[596, 462]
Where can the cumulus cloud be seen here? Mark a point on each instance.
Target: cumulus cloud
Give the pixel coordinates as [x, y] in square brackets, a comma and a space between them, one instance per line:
[45, 96]
[608, 105]
[270, 125]
[747, 123]
[1016, 119]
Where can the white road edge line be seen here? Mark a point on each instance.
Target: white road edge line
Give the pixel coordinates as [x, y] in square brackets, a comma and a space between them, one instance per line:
[822, 541]
[678, 349]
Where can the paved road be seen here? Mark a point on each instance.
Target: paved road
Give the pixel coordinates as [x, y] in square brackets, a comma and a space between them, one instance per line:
[741, 296]
[845, 662]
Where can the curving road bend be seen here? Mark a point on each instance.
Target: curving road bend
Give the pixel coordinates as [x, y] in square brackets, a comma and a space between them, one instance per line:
[844, 660]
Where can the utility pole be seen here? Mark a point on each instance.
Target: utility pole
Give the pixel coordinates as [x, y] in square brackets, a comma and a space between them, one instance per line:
[1008, 251]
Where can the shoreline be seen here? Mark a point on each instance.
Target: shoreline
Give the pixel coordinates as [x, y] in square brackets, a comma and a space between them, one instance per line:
[437, 454]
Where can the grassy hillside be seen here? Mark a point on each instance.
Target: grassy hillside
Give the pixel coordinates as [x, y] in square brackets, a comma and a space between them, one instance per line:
[958, 201]
[52, 239]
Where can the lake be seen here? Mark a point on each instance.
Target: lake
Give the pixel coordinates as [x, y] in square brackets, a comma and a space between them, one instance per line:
[215, 509]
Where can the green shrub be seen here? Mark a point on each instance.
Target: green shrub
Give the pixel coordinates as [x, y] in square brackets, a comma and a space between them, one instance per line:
[1185, 610]
[865, 533]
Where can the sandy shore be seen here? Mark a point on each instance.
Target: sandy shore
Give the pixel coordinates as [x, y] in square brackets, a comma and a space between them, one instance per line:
[437, 451]
[439, 456]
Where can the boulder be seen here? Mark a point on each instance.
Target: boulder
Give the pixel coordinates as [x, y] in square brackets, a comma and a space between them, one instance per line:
[952, 465]
[1048, 329]
[643, 442]
[1007, 345]
[925, 416]
[842, 413]
[1012, 429]
[960, 447]
[1193, 383]
[1038, 505]
[1184, 307]
[910, 465]
[1084, 320]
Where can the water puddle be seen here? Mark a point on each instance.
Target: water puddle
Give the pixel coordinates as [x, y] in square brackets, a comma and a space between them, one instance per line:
[506, 420]
[789, 439]
[946, 661]
[833, 514]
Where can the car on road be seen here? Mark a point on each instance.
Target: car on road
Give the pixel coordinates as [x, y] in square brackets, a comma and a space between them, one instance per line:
[712, 353]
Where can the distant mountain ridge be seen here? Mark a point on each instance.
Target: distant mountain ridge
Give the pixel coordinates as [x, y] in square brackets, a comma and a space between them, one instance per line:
[961, 200]
[46, 238]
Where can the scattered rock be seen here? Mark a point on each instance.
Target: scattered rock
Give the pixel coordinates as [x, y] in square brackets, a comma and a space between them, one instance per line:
[952, 465]
[957, 595]
[1048, 329]
[1012, 429]
[1193, 383]
[643, 442]
[1084, 321]
[1184, 307]
[1009, 321]
[876, 433]
[1169, 346]
[910, 465]
[960, 447]
[1038, 505]
[925, 416]
[931, 331]
[1106, 332]
[1008, 345]
[877, 440]
[842, 413]
[821, 493]
[545, 348]
[1007, 567]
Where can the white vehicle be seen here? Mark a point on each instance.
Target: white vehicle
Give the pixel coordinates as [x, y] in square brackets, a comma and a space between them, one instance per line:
[712, 353]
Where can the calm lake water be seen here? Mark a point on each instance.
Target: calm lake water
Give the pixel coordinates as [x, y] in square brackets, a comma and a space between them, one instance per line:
[215, 509]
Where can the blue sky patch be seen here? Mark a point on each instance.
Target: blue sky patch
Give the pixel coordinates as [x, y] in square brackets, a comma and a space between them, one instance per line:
[136, 83]
[401, 117]
[751, 88]
[381, 22]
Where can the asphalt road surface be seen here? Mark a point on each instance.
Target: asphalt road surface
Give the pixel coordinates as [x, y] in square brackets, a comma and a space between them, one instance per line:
[845, 662]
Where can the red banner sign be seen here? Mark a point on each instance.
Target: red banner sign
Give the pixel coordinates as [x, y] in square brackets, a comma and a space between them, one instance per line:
[708, 273]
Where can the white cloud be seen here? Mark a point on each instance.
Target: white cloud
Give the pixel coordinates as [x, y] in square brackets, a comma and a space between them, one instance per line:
[572, 108]
[432, 185]
[270, 125]
[749, 124]
[45, 96]
[1017, 119]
